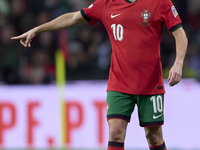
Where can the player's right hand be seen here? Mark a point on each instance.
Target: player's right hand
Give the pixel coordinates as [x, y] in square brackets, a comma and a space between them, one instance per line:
[26, 38]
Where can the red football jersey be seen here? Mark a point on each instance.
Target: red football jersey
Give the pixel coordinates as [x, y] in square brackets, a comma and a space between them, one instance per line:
[135, 31]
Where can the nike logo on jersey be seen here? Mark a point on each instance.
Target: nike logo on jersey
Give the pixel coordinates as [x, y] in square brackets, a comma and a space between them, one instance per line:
[155, 117]
[90, 6]
[113, 16]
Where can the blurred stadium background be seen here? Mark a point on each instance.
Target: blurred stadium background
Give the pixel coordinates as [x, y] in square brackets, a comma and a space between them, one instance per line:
[31, 114]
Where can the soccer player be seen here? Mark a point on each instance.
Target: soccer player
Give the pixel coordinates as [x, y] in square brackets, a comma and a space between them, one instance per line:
[135, 78]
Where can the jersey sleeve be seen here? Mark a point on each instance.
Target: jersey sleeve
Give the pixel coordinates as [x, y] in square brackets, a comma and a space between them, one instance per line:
[170, 16]
[94, 12]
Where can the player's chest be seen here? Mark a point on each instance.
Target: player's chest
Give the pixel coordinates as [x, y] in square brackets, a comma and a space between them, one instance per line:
[136, 14]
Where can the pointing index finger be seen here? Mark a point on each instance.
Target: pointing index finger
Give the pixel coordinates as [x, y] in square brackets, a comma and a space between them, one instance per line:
[16, 38]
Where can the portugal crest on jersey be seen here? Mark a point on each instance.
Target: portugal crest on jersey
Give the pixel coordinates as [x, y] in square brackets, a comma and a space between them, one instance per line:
[145, 15]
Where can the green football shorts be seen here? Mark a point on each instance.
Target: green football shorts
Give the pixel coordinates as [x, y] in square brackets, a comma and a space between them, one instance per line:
[150, 107]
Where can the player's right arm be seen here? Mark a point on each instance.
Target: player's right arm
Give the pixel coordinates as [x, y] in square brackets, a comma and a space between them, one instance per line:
[61, 22]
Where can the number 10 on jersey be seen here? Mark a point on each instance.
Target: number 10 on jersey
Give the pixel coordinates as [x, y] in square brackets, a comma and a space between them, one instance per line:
[118, 31]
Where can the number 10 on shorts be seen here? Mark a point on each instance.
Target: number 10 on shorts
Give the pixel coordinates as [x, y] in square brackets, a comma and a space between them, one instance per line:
[157, 102]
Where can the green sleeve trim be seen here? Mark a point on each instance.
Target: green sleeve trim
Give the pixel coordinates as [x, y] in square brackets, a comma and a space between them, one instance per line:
[175, 27]
[84, 15]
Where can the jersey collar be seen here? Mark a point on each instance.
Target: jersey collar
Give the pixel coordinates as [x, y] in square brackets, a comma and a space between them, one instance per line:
[128, 1]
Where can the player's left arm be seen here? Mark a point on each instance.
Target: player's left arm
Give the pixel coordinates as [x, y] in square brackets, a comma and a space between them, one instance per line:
[181, 41]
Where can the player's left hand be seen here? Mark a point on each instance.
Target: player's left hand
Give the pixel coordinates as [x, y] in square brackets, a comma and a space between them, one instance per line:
[175, 74]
